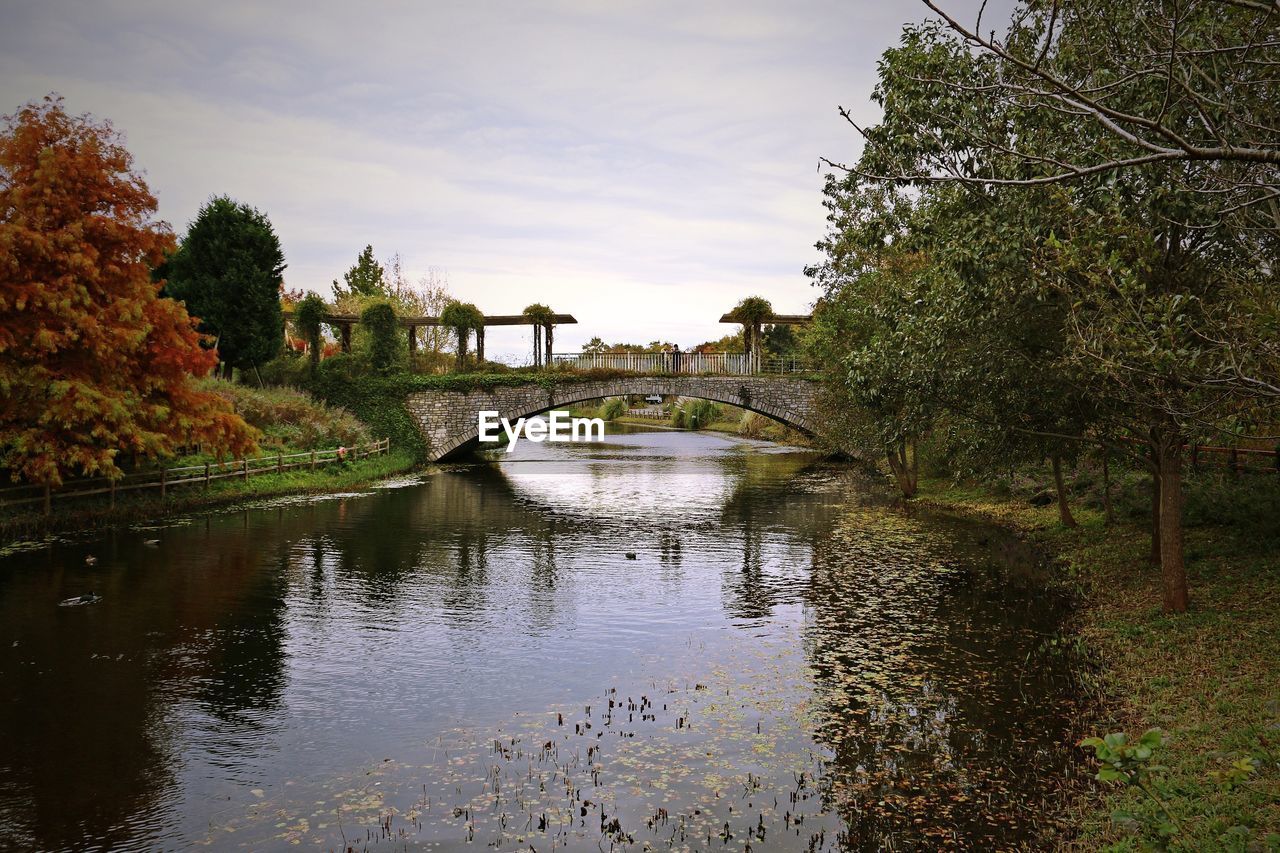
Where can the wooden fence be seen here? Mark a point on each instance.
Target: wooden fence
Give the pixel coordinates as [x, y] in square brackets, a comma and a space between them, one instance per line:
[1236, 458]
[650, 414]
[188, 475]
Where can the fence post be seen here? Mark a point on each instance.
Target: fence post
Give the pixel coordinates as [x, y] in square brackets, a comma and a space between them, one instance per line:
[206, 476]
[245, 463]
[279, 462]
[113, 494]
[313, 459]
[164, 481]
[48, 501]
[1195, 457]
[1233, 462]
[1276, 459]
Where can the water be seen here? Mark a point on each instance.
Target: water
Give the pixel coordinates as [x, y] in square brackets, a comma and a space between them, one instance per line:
[470, 658]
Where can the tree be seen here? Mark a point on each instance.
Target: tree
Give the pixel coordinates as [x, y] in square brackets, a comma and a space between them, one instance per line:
[462, 317]
[780, 340]
[93, 362]
[595, 345]
[307, 318]
[1210, 99]
[365, 278]
[751, 312]
[425, 298]
[734, 342]
[228, 274]
[1147, 276]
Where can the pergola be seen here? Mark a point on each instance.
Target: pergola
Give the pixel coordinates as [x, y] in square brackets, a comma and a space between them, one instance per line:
[344, 322]
[774, 319]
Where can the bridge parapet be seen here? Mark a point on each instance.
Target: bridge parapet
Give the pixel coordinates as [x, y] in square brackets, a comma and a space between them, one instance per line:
[448, 419]
[686, 363]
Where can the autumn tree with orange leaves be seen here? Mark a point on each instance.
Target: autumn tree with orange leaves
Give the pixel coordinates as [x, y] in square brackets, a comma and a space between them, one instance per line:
[94, 363]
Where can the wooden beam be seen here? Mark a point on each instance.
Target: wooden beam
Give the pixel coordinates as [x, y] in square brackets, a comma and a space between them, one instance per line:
[775, 320]
[409, 322]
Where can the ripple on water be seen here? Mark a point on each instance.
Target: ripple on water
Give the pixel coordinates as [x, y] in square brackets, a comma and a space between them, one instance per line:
[471, 657]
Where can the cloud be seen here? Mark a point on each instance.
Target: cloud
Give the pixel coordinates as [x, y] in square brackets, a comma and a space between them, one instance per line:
[641, 165]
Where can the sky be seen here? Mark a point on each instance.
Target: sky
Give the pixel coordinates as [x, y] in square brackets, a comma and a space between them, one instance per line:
[640, 165]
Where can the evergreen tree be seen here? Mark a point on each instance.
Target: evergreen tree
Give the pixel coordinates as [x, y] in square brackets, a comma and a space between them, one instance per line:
[365, 278]
[228, 272]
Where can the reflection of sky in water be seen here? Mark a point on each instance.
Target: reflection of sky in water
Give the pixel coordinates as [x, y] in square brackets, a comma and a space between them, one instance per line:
[261, 668]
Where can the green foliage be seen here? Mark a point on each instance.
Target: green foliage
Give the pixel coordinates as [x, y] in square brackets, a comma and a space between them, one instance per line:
[753, 310]
[366, 278]
[1129, 764]
[462, 317]
[734, 342]
[379, 319]
[695, 414]
[228, 273]
[780, 340]
[290, 419]
[307, 318]
[289, 369]
[614, 407]
[1133, 764]
[539, 313]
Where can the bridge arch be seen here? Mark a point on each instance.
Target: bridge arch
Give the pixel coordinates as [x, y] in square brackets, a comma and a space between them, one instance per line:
[448, 420]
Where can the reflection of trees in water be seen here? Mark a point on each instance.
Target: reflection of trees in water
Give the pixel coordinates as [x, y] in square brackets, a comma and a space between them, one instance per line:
[767, 511]
[920, 686]
[90, 690]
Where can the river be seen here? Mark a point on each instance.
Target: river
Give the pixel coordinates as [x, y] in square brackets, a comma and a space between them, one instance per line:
[688, 640]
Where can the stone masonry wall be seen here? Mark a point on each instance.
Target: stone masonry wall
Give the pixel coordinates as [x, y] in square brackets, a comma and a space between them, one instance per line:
[448, 419]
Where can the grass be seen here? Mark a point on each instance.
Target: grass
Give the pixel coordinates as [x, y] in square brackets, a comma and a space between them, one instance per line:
[131, 507]
[1209, 678]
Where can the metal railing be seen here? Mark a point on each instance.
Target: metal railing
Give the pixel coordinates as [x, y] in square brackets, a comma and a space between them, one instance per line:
[187, 475]
[684, 363]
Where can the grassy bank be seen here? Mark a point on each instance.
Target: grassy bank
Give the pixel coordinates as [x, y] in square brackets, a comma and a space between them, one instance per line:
[1209, 679]
[131, 507]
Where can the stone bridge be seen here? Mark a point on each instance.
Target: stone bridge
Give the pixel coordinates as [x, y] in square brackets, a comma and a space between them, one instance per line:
[449, 419]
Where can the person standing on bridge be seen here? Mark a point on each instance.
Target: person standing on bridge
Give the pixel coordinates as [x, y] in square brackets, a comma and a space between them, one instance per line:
[675, 358]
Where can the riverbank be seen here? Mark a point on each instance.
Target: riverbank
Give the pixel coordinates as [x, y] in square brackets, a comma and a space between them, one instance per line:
[1209, 678]
[95, 514]
[761, 427]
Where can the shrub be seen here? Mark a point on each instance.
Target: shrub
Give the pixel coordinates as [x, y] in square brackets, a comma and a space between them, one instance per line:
[614, 407]
[462, 317]
[695, 414]
[306, 319]
[290, 419]
[289, 369]
[379, 319]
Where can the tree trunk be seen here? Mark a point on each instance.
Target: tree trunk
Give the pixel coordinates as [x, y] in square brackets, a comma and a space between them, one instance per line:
[463, 334]
[1155, 512]
[1064, 508]
[547, 360]
[902, 468]
[1173, 569]
[1107, 514]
